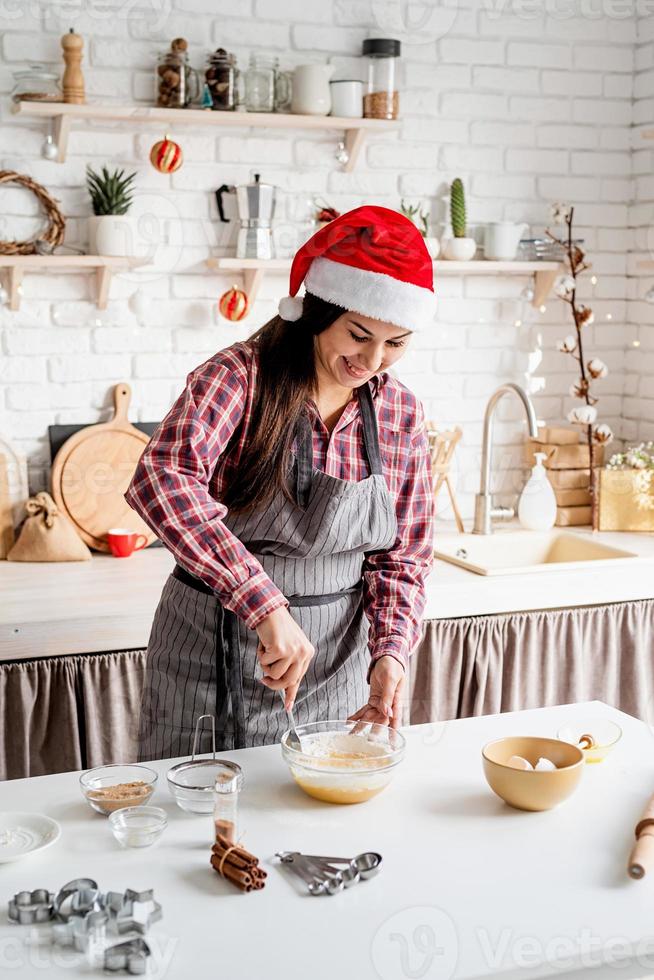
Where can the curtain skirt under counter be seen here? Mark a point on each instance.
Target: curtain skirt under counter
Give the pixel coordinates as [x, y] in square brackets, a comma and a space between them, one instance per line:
[65, 713]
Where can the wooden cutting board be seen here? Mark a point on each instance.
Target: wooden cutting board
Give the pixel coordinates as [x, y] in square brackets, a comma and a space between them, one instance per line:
[16, 478]
[92, 471]
[6, 516]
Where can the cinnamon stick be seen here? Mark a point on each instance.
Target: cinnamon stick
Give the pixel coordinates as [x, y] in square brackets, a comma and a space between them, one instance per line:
[224, 843]
[237, 865]
[241, 878]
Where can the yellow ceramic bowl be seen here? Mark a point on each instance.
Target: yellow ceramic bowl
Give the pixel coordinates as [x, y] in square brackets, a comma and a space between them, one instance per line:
[337, 766]
[605, 734]
[530, 790]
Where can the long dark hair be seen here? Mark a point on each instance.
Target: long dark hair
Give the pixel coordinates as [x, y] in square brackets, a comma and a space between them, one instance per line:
[286, 377]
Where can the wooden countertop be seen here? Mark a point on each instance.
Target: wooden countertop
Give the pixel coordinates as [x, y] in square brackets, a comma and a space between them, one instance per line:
[106, 603]
[109, 603]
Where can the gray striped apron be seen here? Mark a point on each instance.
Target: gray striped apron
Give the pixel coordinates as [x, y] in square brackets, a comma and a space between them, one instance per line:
[201, 658]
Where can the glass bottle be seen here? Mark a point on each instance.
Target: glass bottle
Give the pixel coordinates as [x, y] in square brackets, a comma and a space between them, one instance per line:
[221, 76]
[381, 99]
[260, 84]
[229, 782]
[176, 83]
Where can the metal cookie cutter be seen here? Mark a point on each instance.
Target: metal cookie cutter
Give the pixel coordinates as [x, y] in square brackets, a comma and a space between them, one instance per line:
[81, 931]
[120, 908]
[78, 897]
[131, 956]
[29, 907]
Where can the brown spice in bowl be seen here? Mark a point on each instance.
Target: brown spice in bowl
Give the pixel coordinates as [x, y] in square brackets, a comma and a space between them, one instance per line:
[114, 797]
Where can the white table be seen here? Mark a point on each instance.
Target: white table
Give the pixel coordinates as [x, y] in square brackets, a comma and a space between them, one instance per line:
[469, 887]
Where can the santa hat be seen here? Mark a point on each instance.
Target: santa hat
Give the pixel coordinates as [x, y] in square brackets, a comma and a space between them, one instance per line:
[371, 261]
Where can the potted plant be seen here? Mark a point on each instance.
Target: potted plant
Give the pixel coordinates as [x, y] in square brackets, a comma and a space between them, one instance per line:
[111, 230]
[420, 219]
[459, 248]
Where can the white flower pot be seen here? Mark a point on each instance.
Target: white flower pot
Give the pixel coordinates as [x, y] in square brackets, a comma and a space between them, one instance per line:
[112, 234]
[433, 246]
[460, 249]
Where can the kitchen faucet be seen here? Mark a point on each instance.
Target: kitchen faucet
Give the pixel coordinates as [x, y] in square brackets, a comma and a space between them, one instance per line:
[484, 510]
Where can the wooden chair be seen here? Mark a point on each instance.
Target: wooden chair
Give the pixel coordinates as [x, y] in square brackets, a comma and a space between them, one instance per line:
[441, 451]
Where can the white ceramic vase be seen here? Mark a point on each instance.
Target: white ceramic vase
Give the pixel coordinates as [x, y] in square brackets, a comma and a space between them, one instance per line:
[459, 249]
[112, 234]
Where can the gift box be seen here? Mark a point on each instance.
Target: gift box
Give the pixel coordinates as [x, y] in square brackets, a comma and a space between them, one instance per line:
[626, 500]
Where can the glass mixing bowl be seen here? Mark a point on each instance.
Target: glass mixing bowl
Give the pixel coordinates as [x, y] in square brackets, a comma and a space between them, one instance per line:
[338, 766]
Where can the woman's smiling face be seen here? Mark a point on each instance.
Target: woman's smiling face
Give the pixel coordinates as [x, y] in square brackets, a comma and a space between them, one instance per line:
[355, 347]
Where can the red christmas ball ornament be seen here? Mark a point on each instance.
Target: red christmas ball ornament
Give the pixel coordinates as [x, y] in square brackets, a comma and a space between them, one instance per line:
[166, 156]
[234, 304]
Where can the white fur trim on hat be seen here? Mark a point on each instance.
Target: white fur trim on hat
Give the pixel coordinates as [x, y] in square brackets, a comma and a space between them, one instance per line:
[290, 308]
[373, 294]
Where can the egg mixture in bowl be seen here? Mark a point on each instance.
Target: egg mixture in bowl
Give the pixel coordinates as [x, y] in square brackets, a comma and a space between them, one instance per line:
[338, 766]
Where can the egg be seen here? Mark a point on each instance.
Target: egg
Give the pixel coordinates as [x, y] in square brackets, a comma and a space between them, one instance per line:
[517, 762]
[544, 765]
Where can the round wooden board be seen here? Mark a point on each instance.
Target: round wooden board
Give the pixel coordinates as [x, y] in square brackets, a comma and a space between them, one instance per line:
[92, 471]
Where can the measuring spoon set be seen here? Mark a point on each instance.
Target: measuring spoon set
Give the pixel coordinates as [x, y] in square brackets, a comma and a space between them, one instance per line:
[325, 875]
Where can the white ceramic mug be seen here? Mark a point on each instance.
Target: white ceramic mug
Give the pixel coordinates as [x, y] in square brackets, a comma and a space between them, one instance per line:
[501, 240]
[347, 98]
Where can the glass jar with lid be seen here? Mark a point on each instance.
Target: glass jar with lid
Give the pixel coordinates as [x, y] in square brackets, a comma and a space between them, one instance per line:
[228, 785]
[381, 99]
[259, 84]
[36, 84]
[176, 83]
[221, 78]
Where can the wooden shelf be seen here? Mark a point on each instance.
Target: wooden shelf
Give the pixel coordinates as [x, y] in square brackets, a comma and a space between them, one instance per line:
[13, 268]
[63, 115]
[544, 273]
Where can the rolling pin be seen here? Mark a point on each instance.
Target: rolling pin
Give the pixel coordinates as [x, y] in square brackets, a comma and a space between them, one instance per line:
[641, 859]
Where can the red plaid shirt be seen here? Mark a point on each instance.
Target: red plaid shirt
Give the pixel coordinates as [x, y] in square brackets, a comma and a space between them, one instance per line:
[178, 481]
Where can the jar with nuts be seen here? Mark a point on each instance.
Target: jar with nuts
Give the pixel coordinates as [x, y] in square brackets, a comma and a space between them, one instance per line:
[176, 83]
[222, 80]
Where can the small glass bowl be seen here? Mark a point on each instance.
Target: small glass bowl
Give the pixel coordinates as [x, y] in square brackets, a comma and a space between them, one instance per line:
[358, 767]
[96, 787]
[191, 784]
[138, 826]
[606, 734]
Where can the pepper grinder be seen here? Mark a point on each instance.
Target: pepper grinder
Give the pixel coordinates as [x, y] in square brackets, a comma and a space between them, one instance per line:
[73, 79]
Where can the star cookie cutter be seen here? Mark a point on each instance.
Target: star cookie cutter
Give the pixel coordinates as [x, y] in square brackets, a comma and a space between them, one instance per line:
[121, 911]
[26, 908]
[131, 956]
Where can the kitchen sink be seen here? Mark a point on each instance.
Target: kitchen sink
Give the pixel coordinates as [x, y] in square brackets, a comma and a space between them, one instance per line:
[515, 553]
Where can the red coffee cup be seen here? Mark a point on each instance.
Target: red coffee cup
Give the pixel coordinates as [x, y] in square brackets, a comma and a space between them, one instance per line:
[123, 542]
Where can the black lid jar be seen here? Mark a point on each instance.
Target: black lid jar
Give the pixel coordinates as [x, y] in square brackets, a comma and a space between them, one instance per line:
[381, 99]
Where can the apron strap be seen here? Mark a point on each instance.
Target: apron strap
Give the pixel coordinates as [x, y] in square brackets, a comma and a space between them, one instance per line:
[303, 460]
[370, 430]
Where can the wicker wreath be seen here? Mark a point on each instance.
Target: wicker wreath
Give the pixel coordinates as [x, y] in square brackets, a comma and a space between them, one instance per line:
[54, 234]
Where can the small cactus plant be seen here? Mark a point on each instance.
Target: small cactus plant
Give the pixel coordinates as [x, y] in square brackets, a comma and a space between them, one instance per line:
[458, 208]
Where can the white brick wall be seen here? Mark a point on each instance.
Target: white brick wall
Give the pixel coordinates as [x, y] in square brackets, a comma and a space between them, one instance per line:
[526, 102]
[638, 403]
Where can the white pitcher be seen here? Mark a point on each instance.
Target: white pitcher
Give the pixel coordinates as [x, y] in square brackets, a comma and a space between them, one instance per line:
[502, 238]
[311, 95]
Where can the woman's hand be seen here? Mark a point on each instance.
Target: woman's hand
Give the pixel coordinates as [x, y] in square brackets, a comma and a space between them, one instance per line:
[284, 652]
[384, 702]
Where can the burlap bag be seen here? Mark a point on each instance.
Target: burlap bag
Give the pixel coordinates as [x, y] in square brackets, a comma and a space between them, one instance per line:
[47, 535]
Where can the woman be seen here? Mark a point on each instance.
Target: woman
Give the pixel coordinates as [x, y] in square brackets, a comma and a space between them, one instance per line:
[291, 482]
